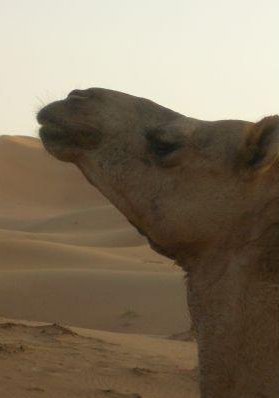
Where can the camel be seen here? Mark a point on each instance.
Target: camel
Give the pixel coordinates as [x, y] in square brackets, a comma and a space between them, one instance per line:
[204, 193]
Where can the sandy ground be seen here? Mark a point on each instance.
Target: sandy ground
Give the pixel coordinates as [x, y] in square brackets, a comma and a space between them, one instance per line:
[69, 258]
[54, 361]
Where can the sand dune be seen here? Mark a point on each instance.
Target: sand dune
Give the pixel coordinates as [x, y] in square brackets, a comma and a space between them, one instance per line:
[32, 180]
[60, 236]
[68, 256]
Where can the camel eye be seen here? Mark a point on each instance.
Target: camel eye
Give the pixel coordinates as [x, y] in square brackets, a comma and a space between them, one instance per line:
[162, 149]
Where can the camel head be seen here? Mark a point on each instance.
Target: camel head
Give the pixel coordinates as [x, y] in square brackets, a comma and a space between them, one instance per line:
[184, 183]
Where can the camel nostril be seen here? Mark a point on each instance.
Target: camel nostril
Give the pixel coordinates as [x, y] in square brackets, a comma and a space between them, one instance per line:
[77, 93]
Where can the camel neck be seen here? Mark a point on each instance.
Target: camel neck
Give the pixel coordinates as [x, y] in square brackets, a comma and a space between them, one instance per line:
[234, 303]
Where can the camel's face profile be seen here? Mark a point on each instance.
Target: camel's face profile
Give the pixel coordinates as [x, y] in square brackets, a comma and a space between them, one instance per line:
[180, 181]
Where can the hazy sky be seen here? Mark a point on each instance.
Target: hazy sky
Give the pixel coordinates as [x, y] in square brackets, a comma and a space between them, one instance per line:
[210, 59]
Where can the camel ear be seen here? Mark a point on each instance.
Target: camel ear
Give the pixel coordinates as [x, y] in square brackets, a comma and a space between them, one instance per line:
[262, 144]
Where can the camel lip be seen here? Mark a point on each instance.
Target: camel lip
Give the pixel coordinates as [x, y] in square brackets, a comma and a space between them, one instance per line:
[53, 127]
[50, 131]
[57, 137]
[47, 116]
[58, 145]
[53, 135]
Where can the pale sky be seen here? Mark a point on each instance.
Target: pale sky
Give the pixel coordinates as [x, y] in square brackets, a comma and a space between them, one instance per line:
[210, 59]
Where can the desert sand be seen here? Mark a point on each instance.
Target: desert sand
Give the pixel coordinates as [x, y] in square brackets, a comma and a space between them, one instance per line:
[68, 257]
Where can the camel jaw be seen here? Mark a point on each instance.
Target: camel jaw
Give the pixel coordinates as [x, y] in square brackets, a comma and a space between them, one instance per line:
[155, 246]
[161, 250]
